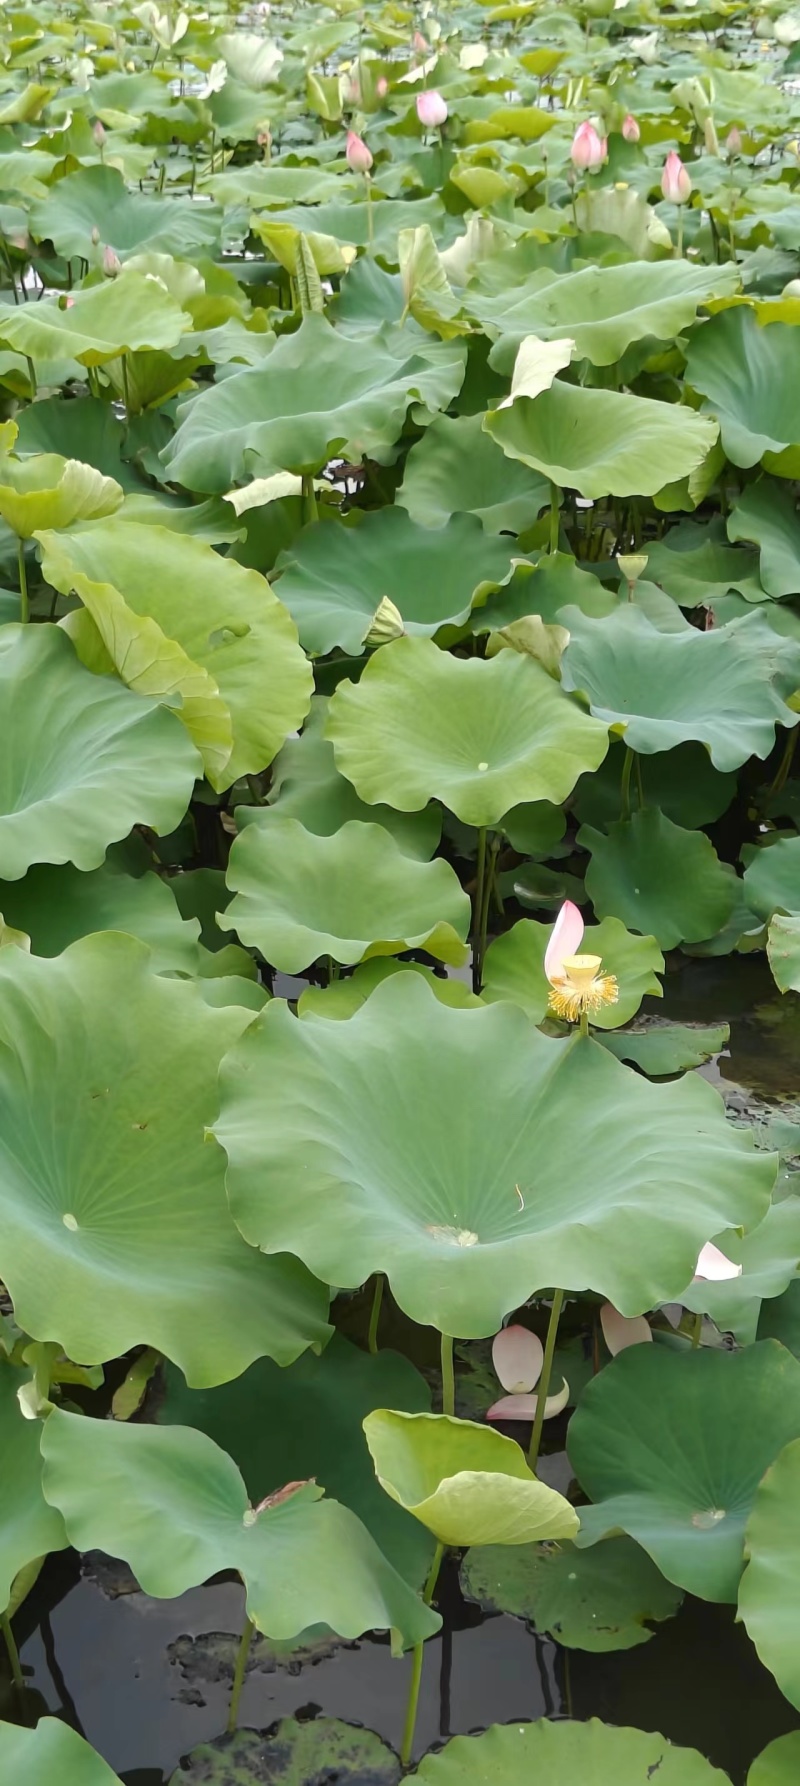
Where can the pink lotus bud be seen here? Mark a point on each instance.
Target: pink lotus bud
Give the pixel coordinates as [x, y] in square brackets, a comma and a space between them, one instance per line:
[431, 108]
[358, 156]
[588, 150]
[264, 138]
[112, 264]
[381, 86]
[733, 141]
[676, 181]
[630, 129]
[98, 132]
[419, 43]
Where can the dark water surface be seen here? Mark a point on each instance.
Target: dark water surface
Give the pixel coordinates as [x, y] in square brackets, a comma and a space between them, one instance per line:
[124, 1669]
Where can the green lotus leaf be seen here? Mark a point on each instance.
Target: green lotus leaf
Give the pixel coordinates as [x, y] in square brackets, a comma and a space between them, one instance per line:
[320, 394]
[602, 309]
[466, 1483]
[342, 997]
[778, 1764]
[658, 879]
[603, 443]
[769, 1257]
[765, 513]
[563, 1754]
[456, 467]
[535, 828]
[511, 1177]
[114, 1225]
[695, 565]
[479, 735]
[666, 1048]
[48, 491]
[768, 1595]
[332, 579]
[178, 621]
[726, 689]
[783, 951]
[97, 324]
[355, 894]
[51, 1752]
[288, 1424]
[84, 760]
[29, 1528]
[306, 785]
[671, 1447]
[545, 588]
[174, 1507]
[56, 906]
[514, 968]
[772, 876]
[97, 198]
[740, 366]
[601, 1599]
[682, 782]
[350, 222]
[297, 1752]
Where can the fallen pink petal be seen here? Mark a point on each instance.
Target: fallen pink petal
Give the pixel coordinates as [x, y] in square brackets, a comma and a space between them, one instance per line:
[517, 1356]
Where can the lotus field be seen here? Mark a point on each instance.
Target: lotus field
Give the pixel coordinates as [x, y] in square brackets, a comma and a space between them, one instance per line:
[399, 687]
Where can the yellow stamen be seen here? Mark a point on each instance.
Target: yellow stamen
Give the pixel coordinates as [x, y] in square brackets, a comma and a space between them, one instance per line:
[581, 987]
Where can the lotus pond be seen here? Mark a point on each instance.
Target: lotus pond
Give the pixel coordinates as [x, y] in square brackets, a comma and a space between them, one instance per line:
[400, 893]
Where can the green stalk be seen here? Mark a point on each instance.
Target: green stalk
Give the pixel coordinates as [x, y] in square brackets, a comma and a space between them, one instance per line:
[370, 218]
[24, 608]
[32, 374]
[13, 1653]
[555, 517]
[477, 909]
[239, 1673]
[416, 1667]
[310, 510]
[125, 387]
[697, 1331]
[543, 1385]
[448, 1376]
[488, 883]
[625, 785]
[680, 232]
[782, 772]
[375, 1314]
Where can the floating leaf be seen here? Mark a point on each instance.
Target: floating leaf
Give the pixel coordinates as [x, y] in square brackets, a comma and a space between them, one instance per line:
[514, 968]
[466, 1483]
[564, 1753]
[51, 1752]
[772, 876]
[511, 1177]
[783, 951]
[671, 1447]
[294, 1754]
[600, 1599]
[658, 878]
[666, 1048]
[603, 443]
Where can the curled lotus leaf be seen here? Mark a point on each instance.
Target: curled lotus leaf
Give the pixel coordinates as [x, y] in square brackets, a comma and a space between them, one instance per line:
[45, 490]
[603, 443]
[511, 1177]
[342, 997]
[564, 1753]
[98, 324]
[97, 198]
[745, 370]
[456, 468]
[479, 735]
[307, 785]
[52, 1751]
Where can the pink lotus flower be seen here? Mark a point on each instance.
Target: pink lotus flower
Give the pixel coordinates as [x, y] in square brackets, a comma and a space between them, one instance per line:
[578, 986]
[621, 1331]
[733, 141]
[588, 150]
[715, 1267]
[431, 108]
[98, 132]
[381, 86]
[112, 264]
[630, 129]
[358, 156]
[676, 181]
[517, 1356]
[420, 43]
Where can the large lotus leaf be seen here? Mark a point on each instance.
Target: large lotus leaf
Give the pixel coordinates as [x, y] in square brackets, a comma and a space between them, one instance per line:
[114, 1226]
[778, 1764]
[466, 1483]
[333, 579]
[744, 369]
[29, 1528]
[177, 620]
[603, 443]
[695, 565]
[783, 951]
[545, 588]
[321, 393]
[601, 1599]
[602, 309]
[297, 1752]
[769, 1257]
[671, 1447]
[83, 759]
[481, 735]
[457, 467]
[52, 1752]
[97, 324]
[772, 876]
[725, 689]
[514, 968]
[340, 998]
[286, 1425]
[509, 1179]
[682, 782]
[765, 512]
[48, 491]
[299, 896]
[96, 198]
[56, 906]
[564, 1754]
[306, 785]
[659, 879]
[769, 1601]
[174, 1507]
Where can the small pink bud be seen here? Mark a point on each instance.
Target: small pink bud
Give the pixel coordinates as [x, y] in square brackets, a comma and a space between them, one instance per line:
[419, 43]
[264, 138]
[676, 181]
[112, 264]
[98, 132]
[630, 129]
[381, 86]
[431, 108]
[733, 141]
[588, 150]
[358, 156]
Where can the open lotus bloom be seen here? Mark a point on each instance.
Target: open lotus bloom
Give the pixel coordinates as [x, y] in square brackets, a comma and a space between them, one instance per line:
[714, 1267]
[577, 982]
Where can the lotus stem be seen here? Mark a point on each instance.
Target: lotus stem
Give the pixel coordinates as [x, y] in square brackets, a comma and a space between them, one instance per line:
[543, 1385]
[448, 1376]
[375, 1314]
[370, 217]
[239, 1673]
[583, 1023]
[639, 782]
[416, 1666]
[679, 250]
[625, 785]
[310, 511]
[488, 883]
[555, 517]
[781, 775]
[697, 1331]
[31, 370]
[125, 386]
[477, 910]
[13, 1653]
[24, 607]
